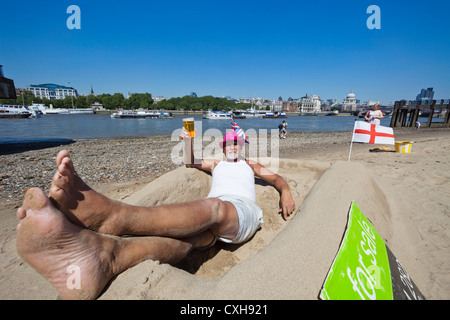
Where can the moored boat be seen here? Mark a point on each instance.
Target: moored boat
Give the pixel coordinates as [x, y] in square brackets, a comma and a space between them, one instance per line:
[275, 115]
[217, 115]
[237, 114]
[130, 114]
[16, 111]
[46, 110]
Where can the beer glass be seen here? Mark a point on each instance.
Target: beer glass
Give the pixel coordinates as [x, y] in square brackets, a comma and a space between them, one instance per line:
[188, 124]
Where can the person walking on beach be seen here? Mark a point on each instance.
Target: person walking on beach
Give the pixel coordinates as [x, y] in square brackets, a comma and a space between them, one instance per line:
[77, 228]
[374, 116]
[282, 129]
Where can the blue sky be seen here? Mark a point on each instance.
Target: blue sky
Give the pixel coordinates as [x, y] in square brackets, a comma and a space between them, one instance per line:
[231, 48]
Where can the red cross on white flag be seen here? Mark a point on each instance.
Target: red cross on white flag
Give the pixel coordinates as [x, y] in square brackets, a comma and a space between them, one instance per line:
[370, 133]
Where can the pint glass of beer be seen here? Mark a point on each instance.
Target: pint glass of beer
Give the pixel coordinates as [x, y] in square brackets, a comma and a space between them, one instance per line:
[188, 124]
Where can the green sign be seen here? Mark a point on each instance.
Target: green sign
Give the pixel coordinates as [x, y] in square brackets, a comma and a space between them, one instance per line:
[365, 268]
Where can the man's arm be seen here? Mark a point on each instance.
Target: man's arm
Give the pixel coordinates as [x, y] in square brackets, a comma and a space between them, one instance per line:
[287, 204]
[188, 154]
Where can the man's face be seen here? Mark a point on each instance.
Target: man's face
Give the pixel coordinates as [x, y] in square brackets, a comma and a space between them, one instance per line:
[232, 150]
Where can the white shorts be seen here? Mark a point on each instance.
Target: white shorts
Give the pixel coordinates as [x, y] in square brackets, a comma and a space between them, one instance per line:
[250, 218]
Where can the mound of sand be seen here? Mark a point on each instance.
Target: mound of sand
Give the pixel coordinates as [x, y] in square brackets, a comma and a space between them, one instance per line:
[285, 260]
[185, 184]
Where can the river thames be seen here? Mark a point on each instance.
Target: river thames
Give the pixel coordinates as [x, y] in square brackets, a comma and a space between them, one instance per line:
[80, 127]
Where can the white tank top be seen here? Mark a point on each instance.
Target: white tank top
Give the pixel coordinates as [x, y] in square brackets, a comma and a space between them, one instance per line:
[235, 178]
[376, 113]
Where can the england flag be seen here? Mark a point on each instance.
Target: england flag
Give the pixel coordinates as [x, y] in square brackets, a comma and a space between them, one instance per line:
[239, 131]
[370, 133]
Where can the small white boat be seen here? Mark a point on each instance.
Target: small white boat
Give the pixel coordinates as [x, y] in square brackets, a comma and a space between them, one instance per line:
[275, 115]
[252, 113]
[55, 111]
[46, 110]
[238, 114]
[217, 115]
[17, 111]
[81, 111]
[130, 114]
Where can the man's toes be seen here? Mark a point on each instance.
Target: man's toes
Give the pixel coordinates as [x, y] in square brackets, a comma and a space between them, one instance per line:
[61, 155]
[56, 193]
[60, 181]
[35, 198]
[69, 165]
[63, 169]
[21, 213]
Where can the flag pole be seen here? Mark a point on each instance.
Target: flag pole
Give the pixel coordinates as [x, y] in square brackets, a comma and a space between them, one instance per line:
[351, 143]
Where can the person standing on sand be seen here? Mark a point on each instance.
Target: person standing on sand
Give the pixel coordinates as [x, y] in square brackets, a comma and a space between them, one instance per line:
[77, 228]
[282, 130]
[374, 116]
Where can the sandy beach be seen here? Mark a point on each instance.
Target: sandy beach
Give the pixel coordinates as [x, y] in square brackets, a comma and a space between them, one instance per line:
[405, 196]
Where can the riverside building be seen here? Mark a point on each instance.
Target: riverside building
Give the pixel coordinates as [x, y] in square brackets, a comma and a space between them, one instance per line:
[310, 104]
[349, 103]
[51, 91]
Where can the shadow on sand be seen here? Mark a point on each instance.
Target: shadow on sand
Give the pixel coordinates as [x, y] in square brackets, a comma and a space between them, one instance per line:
[12, 146]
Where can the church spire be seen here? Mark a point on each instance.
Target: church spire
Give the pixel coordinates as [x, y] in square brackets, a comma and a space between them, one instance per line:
[92, 90]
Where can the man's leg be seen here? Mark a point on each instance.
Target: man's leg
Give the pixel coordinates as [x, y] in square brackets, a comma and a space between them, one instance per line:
[86, 207]
[79, 262]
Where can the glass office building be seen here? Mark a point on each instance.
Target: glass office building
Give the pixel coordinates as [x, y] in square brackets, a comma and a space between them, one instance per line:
[51, 91]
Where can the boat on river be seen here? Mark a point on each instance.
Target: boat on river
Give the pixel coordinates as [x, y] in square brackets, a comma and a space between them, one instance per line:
[16, 111]
[275, 115]
[43, 109]
[130, 114]
[217, 115]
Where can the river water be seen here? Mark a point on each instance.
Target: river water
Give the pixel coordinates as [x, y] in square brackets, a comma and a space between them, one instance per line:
[80, 127]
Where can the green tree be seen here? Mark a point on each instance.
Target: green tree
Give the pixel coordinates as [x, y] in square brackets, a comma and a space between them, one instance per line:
[117, 100]
[58, 103]
[67, 101]
[107, 101]
[140, 100]
[90, 99]
[81, 102]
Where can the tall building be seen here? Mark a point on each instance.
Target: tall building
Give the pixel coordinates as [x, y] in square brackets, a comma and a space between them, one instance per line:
[277, 105]
[349, 103]
[425, 95]
[310, 104]
[51, 91]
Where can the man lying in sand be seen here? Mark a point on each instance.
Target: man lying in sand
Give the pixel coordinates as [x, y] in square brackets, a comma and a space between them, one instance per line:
[76, 228]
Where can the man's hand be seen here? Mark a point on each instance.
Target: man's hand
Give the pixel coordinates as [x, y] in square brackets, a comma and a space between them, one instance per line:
[287, 204]
[185, 134]
[188, 152]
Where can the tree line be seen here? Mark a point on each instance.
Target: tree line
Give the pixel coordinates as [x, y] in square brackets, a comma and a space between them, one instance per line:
[135, 101]
[201, 103]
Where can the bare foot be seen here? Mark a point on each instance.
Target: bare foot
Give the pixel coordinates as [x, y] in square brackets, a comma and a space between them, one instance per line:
[78, 262]
[80, 203]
